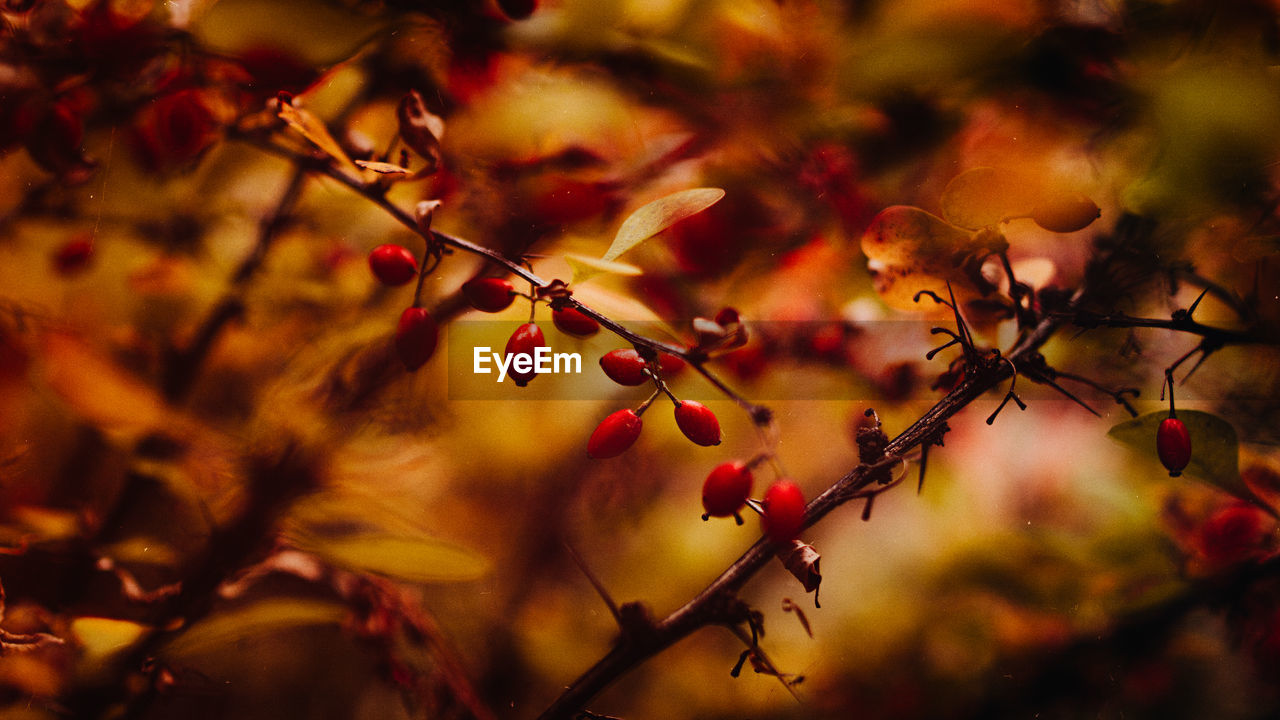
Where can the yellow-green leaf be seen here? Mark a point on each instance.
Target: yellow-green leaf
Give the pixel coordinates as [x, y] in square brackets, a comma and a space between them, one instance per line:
[99, 638]
[584, 267]
[416, 560]
[1215, 449]
[654, 217]
[223, 630]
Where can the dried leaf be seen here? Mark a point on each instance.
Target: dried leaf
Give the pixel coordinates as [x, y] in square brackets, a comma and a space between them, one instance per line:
[420, 129]
[906, 235]
[383, 168]
[654, 217]
[313, 129]
[801, 560]
[909, 250]
[788, 605]
[984, 196]
[18, 642]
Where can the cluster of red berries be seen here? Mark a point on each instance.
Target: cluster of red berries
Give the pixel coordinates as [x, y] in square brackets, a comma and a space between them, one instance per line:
[728, 489]
[417, 333]
[619, 431]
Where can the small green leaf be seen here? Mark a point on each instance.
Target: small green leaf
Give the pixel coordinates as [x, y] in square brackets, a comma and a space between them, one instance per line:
[1215, 449]
[653, 218]
[415, 560]
[223, 630]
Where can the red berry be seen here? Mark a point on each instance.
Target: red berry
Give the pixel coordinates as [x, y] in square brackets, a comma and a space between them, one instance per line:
[489, 294]
[614, 435]
[1173, 445]
[624, 367]
[572, 321]
[726, 489]
[416, 337]
[698, 423]
[393, 265]
[525, 341]
[783, 511]
[73, 256]
[670, 364]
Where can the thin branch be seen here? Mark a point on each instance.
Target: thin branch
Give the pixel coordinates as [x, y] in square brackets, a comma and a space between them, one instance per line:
[706, 608]
[183, 366]
[1088, 320]
[760, 414]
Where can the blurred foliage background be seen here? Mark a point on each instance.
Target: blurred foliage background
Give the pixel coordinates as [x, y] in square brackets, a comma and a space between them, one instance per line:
[276, 520]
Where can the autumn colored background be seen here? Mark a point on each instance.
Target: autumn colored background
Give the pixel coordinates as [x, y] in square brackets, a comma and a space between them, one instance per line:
[223, 495]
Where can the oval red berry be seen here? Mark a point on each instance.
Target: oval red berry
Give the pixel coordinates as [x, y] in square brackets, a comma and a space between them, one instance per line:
[416, 337]
[624, 367]
[614, 435]
[489, 294]
[1173, 445]
[572, 321]
[726, 489]
[670, 364]
[698, 423]
[783, 516]
[525, 341]
[393, 265]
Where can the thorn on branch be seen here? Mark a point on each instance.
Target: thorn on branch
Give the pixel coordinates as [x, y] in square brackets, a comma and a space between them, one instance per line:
[1010, 395]
[935, 439]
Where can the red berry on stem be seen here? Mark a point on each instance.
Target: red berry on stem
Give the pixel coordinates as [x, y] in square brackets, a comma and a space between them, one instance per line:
[670, 364]
[783, 515]
[572, 321]
[416, 337]
[698, 423]
[1173, 445]
[489, 294]
[525, 341]
[624, 367]
[614, 434]
[393, 265]
[726, 489]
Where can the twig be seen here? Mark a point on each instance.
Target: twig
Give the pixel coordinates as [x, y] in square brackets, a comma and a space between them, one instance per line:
[183, 365]
[705, 608]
